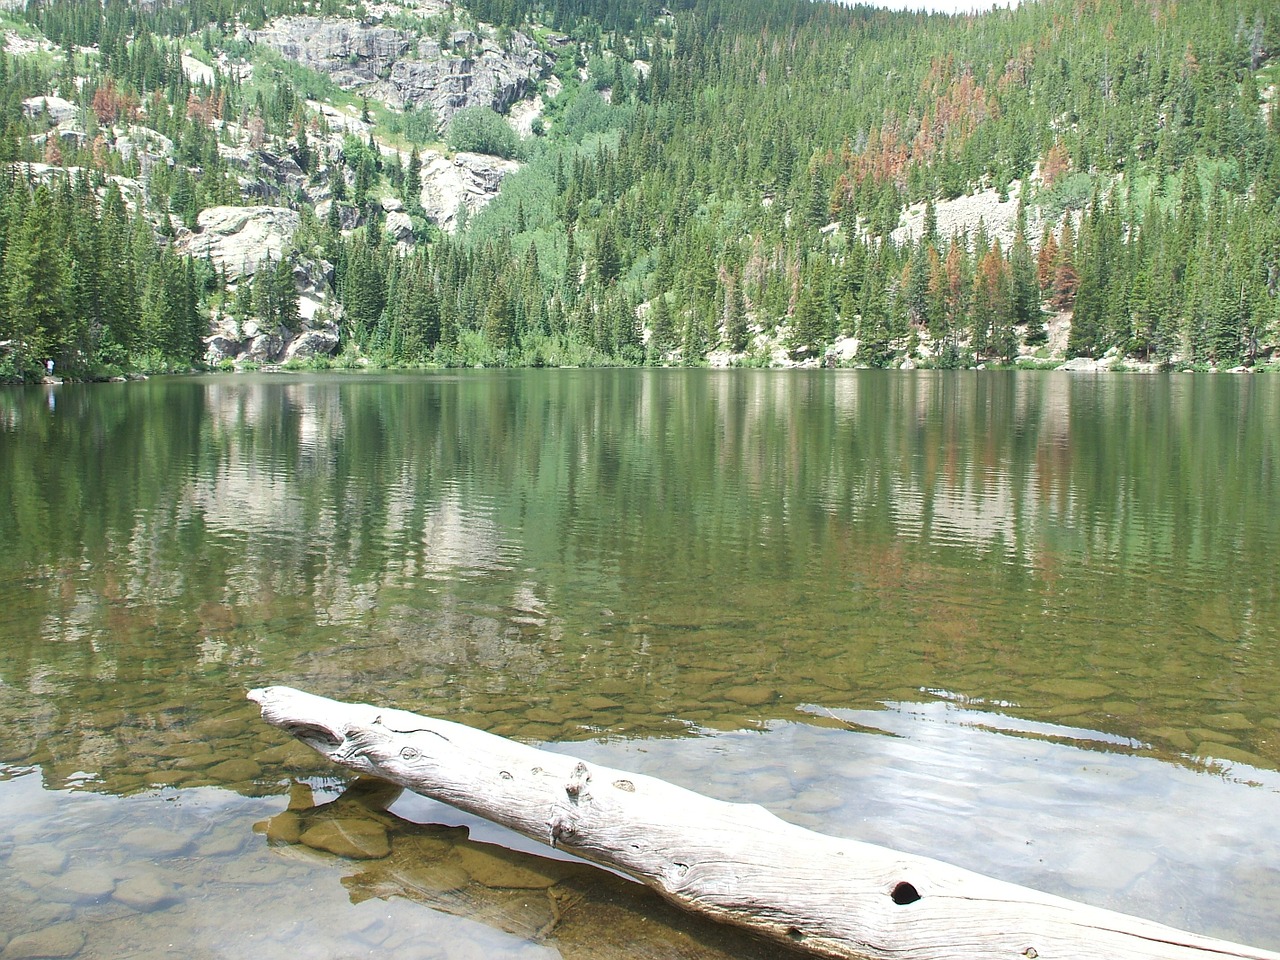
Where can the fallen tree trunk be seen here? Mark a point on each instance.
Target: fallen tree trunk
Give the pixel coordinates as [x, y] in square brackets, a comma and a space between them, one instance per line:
[733, 862]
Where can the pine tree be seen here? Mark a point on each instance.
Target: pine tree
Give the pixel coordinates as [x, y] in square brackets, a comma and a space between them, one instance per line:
[36, 286]
[810, 323]
[286, 297]
[608, 262]
[875, 341]
[413, 183]
[662, 332]
[1025, 292]
[499, 324]
[266, 297]
[1065, 278]
[929, 231]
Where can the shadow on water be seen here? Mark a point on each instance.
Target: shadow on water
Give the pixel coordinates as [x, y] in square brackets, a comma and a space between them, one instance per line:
[580, 911]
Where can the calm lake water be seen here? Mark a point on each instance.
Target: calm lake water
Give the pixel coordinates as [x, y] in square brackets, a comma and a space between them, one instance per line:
[1026, 623]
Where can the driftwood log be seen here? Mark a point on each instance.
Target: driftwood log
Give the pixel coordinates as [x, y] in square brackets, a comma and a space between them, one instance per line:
[733, 862]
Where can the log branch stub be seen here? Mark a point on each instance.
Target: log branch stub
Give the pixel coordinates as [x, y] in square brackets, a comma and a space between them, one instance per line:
[736, 863]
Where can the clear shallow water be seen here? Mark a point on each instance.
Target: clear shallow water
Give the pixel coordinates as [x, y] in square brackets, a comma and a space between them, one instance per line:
[1024, 623]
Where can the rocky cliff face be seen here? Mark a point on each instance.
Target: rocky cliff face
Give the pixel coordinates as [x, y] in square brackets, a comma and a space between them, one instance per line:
[466, 179]
[240, 240]
[394, 66]
[351, 52]
[473, 72]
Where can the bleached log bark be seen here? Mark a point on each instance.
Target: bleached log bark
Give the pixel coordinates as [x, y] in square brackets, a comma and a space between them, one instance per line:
[732, 862]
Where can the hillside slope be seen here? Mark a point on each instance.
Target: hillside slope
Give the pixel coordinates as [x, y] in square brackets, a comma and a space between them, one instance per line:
[754, 182]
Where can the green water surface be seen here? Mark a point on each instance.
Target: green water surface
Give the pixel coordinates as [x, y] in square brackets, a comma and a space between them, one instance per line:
[1027, 623]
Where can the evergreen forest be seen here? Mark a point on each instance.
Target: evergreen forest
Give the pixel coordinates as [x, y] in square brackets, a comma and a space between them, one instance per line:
[747, 182]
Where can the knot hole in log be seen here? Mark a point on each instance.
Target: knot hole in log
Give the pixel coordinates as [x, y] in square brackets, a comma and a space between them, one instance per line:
[313, 732]
[576, 788]
[904, 893]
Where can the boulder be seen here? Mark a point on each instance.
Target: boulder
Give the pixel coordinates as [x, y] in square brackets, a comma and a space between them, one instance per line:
[219, 347]
[842, 351]
[348, 215]
[249, 342]
[1086, 364]
[399, 227]
[55, 108]
[338, 120]
[145, 144]
[281, 169]
[523, 114]
[313, 277]
[196, 71]
[320, 342]
[472, 179]
[262, 344]
[238, 239]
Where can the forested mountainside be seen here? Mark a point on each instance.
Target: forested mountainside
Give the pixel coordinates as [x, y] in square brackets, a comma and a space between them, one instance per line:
[601, 182]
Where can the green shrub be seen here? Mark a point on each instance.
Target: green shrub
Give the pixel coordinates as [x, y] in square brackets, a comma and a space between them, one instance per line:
[480, 130]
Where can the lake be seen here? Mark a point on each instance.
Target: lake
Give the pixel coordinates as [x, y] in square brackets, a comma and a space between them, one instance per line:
[1028, 623]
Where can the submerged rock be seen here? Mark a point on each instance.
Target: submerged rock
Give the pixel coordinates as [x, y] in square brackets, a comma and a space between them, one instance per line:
[43, 858]
[156, 841]
[236, 770]
[750, 696]
[350, 838]
[145, 893]
[81, 885]
[500, 868]
[57, 941]
[284, 827]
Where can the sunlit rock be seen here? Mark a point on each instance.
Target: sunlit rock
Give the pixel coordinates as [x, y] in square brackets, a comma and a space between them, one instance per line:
[238, 239]
[398, 226]
[383, 63]
[467, 180]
